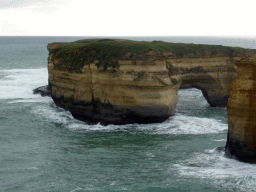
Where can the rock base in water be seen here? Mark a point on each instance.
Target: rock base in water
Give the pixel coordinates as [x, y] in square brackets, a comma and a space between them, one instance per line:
[43, 91]
[96, 112]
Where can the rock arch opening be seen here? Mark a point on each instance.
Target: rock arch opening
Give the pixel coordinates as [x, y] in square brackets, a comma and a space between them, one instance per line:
[211, 88]
[190, 99]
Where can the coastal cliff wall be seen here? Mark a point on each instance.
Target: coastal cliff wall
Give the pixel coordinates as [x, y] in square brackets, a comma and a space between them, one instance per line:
[139, 91]
[142, 88]
[241, 108]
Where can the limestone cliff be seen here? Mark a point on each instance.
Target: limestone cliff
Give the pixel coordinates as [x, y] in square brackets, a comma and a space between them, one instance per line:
[136, 86]
[241, 140]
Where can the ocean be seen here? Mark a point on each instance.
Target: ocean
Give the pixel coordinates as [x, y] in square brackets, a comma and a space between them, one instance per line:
[43, 148]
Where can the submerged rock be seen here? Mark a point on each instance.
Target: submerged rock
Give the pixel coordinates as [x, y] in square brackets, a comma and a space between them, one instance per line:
[241, 108]
[221, 149]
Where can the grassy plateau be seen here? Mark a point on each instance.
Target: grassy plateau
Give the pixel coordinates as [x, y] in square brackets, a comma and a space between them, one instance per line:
[107, 51]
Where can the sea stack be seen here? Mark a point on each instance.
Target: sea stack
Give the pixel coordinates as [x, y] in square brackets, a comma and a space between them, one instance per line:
[241, 108]
[117, 81]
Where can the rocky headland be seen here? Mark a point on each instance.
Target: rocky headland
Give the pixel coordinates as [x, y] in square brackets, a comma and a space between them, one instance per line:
[241, 108]
[115, 81]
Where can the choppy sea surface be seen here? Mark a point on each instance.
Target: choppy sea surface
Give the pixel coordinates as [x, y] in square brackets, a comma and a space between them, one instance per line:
[43, 148]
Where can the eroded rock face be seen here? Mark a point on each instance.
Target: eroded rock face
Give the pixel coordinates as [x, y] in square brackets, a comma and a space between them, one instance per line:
[241, 140]
[142, 89]
[139, 92]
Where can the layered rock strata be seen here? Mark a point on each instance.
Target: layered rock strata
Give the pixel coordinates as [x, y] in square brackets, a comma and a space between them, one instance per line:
[139, 91]
[142, 88]
[241, 140]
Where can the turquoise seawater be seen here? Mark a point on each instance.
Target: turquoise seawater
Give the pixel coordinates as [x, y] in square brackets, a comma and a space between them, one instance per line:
[43, 148]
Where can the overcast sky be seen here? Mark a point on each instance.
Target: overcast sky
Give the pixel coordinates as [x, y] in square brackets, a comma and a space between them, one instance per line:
[127, 18]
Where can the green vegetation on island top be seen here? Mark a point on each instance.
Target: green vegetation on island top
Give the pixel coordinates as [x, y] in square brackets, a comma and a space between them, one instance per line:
[108, 51]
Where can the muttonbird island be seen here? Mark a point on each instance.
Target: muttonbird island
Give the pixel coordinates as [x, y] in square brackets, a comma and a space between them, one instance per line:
[117, 81]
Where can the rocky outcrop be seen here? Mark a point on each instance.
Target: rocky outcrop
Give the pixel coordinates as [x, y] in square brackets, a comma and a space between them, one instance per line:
[141, 89]
[43, 91]
[241, 140]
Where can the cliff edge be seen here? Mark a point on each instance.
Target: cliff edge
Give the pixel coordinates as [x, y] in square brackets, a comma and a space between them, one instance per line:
[115, 81]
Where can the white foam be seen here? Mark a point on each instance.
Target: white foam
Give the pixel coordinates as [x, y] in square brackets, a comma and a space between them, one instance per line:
[210, 151]
[19, 83]
[53, 114]
[220, 140]
[113, 183]
[78, 188]
[178, 124]
[182, 124]
[192, 94]
[33, 168]
[58, 115]
[151, 155]
[223, 171]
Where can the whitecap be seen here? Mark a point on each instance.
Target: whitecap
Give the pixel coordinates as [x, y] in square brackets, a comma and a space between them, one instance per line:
[151, 155]
[178, 124]
[210, 151]
[32, 168]
[113, 183]
[53, 114]
[76, 189]
[219, 140]
[18, 84]
[182, 124]
[225, 172]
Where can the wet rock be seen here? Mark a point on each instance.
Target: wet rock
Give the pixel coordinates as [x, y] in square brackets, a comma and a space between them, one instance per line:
[43, 91]
[220, 149]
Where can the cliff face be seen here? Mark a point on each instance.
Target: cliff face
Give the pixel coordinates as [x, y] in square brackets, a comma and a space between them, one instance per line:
[142, 89]
[241, 140]
[139, 91]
